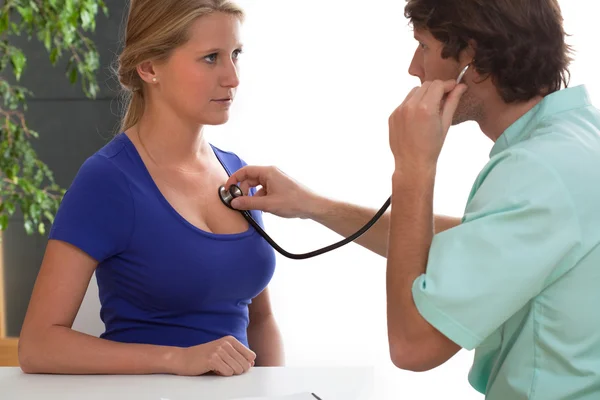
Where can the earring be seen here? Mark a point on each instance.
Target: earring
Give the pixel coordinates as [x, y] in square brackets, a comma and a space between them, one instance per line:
[154, 80]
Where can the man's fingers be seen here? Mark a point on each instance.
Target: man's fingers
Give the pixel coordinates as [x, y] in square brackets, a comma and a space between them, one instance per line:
[418, 95]
[245, 187]
[254, 174]
[409, 96]
[436, 92]
[250, 203]
[451, 104]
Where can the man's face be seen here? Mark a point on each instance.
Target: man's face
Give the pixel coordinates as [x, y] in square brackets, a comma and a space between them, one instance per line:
[428, 65]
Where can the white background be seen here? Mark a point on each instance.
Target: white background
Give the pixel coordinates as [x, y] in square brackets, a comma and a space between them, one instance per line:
[319, 79]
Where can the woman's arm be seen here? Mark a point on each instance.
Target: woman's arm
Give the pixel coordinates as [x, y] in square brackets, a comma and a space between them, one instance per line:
[49, 345]
[264, 337]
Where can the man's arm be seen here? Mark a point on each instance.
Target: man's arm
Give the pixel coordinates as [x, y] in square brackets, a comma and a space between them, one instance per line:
[345, 219]
[282, 196]
[417, 133]
[414, 343]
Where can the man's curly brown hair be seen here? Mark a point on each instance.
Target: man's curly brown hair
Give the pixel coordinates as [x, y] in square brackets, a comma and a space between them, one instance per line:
[520, 44]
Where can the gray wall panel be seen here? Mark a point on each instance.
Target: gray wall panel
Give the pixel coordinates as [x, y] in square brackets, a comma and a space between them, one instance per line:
[71, 129]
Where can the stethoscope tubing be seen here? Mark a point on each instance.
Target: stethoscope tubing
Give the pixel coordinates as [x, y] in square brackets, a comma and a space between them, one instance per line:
[227, 196]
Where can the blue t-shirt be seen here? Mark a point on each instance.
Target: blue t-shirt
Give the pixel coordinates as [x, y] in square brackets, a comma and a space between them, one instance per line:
[161, 280]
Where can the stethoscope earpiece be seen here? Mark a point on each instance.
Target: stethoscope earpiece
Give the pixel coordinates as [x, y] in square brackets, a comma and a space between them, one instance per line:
[462, 73]
[227, 196]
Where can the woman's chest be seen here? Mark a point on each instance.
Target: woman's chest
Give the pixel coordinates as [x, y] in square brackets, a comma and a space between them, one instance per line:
[195, 199]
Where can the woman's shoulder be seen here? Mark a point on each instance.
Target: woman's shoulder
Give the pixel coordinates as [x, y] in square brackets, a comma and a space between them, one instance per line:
[110, 160]
[107, 168]
[114, 152]
[96, 212]
[230, 158]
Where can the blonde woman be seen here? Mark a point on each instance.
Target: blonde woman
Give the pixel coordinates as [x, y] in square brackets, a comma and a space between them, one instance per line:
[182, 278]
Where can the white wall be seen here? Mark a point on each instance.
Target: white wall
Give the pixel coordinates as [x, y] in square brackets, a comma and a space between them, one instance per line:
[319, 80]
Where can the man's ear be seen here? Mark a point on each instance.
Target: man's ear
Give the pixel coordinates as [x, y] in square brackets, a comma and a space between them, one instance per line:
[468, 54]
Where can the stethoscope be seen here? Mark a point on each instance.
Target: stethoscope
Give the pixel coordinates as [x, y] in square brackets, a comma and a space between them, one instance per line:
[234, 191]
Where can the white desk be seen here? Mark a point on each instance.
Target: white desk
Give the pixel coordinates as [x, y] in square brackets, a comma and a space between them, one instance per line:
[348, 383]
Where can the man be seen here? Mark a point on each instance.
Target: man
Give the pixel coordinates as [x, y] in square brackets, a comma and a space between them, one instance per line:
[518, 277]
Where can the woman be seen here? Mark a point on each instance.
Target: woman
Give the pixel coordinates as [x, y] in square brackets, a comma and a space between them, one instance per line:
[182, 278]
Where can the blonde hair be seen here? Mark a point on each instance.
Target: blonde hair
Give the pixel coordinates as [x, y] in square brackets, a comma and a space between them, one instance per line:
[154, 29]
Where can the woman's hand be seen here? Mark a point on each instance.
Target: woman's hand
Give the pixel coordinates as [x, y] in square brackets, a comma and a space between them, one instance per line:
[225, 356]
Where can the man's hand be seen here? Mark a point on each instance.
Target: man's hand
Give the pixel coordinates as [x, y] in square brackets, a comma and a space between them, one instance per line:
[418, 127]
[279, 194]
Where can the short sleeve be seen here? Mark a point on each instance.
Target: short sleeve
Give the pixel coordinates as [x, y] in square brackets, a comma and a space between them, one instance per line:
[519, 228]
[96, 214]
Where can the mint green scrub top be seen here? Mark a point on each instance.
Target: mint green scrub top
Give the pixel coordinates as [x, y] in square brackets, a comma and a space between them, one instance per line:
[519, 279]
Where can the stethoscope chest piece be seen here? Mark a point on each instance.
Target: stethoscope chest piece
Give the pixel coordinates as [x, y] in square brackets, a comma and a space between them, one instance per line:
[227, 196]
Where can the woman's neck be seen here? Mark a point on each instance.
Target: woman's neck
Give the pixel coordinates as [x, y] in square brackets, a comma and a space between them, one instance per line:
[169, 142]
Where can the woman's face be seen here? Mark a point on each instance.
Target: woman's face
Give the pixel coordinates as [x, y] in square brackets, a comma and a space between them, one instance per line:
[200, 78]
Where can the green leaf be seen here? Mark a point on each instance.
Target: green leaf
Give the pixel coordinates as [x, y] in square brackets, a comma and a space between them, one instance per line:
[10, 207]
[86, 19]
[3, 222]
[26, 13]
[47, 39]
[104, 7]
[92, 60]
[28, 227]
[34, 6]
[54, 55]
[93, 90]
[4, 22]
[18, 60]
[14, 170]
[35, 211]
[49, 216]
[39, 196]
[15, 28]
[73, 76]
[42, 228]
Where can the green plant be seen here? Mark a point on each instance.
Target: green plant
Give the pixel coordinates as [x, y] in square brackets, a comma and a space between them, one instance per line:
[61, 25]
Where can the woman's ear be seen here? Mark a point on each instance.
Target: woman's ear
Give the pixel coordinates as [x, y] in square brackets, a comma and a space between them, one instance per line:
[147, 72]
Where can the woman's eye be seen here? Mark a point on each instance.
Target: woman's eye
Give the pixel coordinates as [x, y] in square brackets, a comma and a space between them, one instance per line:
[211, 58]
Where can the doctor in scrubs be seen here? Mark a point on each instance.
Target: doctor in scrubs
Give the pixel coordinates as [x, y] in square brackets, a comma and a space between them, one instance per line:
[516, 278]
